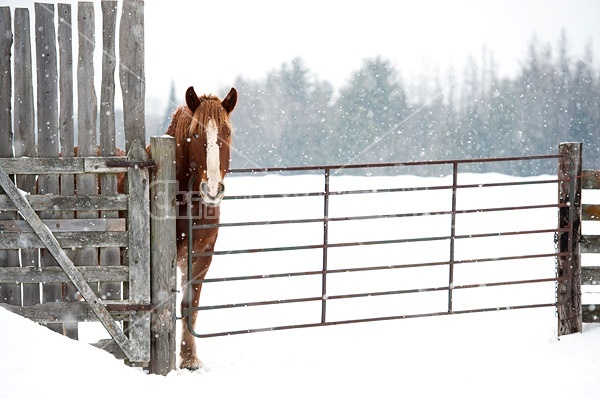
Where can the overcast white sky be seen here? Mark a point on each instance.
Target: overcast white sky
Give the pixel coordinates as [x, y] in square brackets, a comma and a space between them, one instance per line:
[209, 43]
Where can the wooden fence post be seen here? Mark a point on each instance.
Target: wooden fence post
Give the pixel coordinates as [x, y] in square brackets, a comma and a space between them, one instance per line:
[568, 289]
[163, 255]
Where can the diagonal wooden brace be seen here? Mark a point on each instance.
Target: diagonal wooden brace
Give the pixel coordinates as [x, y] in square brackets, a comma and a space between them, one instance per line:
[45, 235]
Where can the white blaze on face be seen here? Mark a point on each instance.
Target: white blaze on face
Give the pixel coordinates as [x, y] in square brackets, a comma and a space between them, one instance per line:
[213, 161]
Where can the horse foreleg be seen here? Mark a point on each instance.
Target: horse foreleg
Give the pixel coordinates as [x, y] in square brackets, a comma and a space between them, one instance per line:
[189, 359]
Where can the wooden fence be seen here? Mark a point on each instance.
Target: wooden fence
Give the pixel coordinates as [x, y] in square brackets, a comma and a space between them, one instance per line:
[577, 242]
[586, 216]
[72, 247]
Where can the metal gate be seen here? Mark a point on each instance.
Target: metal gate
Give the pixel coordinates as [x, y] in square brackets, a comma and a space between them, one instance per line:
[440, 232]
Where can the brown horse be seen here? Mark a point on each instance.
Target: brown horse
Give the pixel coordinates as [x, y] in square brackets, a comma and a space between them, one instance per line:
[202, 132]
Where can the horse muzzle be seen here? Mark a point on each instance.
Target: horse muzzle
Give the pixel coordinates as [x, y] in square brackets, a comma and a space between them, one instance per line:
[210, 199]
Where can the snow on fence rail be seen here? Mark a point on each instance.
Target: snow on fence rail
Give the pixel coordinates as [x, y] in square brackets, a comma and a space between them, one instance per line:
[66, 233]
[432, 249]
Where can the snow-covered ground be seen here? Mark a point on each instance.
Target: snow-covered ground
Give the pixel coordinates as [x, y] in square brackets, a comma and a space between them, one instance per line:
[507, 353]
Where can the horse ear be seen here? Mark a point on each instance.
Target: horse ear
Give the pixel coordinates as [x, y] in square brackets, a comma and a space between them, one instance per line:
[191, 99]
[230, 100]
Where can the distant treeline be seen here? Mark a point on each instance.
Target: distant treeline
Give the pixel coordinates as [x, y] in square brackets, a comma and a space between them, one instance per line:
[292, 118]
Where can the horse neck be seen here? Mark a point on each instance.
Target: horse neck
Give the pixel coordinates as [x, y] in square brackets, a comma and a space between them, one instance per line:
[184, 175]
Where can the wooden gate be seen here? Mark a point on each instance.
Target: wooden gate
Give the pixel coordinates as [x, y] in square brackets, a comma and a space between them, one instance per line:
[70, 229]
[72, 247]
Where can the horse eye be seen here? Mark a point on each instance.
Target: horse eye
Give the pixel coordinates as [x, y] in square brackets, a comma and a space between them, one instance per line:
[196, 136]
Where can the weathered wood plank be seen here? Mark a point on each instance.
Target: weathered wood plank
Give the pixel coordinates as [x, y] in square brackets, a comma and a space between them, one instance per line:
[66, 123]
[590, 179]
[24, 125]
[590, 244]
[590, 275]
[108, 182]
[66, 203]
[47, 82]
[133, 352]
[47, 124]
[67, 120]
[66, 126]
[590, 212]
[131, 71]
[163, 190]
[569, 267]
[139, 234]
[24, 140]
[138, 253]
[40, 166]
[111, 347]
[86, 93]
[87, 114]
[57, 275]
[107, 90]
[591, 313]
[64, 225]
[6, 40]
[9, 293]
[66, 240]
[59, 312]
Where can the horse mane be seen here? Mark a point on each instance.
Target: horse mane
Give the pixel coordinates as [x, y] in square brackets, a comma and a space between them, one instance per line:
[184, 123]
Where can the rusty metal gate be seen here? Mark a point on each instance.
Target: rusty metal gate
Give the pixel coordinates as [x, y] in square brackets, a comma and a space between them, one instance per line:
[441, 278]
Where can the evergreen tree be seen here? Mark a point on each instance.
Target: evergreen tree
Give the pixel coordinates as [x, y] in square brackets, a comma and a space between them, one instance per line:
[371, 110]
[255, 142]
[304, 103]
[285, 120]
[290, 118]
[585, 110]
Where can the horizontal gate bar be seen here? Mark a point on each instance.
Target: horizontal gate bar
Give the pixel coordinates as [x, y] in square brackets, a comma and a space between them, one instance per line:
[393, 164]
[379, 242]
[374, 294]
[376, 268]
[374, 217]
[386, 190]
[383, 318]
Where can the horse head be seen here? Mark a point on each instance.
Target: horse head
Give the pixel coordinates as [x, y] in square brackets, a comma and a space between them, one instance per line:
[207, 145]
